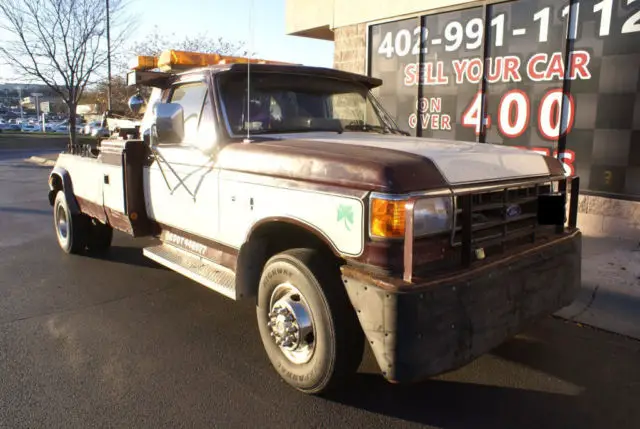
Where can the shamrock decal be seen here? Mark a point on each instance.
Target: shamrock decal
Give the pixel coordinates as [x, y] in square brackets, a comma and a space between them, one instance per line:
[345, 213]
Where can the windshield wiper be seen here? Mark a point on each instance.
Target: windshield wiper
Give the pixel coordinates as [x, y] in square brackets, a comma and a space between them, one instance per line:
[293, 130]
[375, 128]
[385, 117]
[367, 127]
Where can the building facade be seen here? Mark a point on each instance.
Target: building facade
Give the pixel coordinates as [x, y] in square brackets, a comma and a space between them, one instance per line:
[14, 95]
[558, 77]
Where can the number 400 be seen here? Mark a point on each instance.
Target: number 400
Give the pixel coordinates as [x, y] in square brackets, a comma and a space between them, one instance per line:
[556, 114]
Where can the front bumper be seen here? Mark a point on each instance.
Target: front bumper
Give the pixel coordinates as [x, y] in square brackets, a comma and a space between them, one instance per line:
[420, 330]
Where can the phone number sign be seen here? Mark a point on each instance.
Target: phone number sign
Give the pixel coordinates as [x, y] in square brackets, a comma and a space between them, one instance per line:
[506, 76]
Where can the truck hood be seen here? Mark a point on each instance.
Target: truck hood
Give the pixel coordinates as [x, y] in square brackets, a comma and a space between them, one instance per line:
[387, 161]
[459, 162]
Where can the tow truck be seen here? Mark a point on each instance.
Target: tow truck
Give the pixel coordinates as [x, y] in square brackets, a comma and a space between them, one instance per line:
[292, 186]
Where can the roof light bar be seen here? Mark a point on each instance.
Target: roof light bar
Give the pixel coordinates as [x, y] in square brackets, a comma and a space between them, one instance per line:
[144, 62]
[173, 60]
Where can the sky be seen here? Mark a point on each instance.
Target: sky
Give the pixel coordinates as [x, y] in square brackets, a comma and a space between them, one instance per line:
[228, 19]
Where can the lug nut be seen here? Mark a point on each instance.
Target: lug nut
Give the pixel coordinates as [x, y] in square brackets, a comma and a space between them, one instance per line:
[271, 323]
[290, 338]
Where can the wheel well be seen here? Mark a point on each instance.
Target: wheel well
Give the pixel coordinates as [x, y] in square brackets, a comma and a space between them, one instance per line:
[270, 239]
[59, 180]
[55, 185]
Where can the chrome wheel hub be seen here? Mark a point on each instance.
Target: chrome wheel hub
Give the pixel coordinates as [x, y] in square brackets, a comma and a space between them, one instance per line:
[290, 324]
[62, 224]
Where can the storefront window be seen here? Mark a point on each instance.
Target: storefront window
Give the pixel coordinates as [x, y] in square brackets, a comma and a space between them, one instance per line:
[561, 78]
[606, 133]
[395, 48]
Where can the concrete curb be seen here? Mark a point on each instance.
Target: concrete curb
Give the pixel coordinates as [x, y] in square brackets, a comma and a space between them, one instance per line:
[41, 161]
[610, 295]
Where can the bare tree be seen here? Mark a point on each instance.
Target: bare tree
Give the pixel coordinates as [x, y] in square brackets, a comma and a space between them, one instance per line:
[61, 43]
[156, 42]
[120, 93]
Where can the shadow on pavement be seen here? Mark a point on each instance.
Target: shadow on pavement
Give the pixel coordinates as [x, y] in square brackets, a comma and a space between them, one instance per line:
[129, 256]
[31, 166]
[22, 210]
[450, 404]
[600, 376]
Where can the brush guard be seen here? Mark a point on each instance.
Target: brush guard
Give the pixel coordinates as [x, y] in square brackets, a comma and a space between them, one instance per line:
[512, 213]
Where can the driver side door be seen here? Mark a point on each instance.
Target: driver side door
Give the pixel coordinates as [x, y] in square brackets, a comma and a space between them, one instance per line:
[182, 181]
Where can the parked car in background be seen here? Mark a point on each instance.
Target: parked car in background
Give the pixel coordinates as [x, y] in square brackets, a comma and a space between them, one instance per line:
[29, 128]
[50, 127]
[100, 132]
[61, 128]
[89, 126]
[64, 128]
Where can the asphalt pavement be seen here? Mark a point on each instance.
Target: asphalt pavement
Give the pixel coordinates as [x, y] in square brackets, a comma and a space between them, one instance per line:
[123, 342]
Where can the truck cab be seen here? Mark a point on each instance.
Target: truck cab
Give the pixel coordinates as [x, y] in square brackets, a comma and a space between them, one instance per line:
[292, 186]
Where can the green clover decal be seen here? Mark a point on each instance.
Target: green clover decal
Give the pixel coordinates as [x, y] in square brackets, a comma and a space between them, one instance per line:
[345, 213]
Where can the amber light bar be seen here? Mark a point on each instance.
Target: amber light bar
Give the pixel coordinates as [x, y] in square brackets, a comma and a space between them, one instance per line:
[173, 60]
[144, 62]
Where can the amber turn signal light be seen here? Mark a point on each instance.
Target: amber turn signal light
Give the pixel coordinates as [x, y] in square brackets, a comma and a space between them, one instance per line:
[387, 218]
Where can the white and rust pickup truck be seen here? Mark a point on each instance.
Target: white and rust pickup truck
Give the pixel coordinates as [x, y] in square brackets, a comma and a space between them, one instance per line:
[297, 190]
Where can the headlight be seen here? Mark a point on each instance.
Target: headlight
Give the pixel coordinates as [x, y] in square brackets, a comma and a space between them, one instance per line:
[431, 216]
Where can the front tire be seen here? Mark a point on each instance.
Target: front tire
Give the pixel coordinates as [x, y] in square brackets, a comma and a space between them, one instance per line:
[72, 230]
[307, 325]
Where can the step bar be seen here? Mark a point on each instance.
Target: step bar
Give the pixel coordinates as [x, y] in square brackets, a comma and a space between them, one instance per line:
[198, 269]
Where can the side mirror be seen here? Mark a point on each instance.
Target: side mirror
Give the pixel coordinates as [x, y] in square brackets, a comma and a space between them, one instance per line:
[136, 102]
[169, 123]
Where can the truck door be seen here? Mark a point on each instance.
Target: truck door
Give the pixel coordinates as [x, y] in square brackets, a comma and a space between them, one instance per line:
[181, 184]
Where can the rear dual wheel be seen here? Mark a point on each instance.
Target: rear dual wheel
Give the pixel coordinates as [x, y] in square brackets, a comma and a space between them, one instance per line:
[77, 232]
[307, 325]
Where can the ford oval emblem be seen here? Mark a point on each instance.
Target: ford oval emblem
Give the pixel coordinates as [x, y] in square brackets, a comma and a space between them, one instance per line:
[514, 210]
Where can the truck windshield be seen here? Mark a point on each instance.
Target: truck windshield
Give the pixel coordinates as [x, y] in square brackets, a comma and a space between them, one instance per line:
[289, 103]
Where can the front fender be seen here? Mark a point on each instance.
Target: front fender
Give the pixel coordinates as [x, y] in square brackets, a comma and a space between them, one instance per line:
[60, 180]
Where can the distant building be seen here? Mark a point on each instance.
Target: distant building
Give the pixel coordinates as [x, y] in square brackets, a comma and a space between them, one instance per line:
[11, 93]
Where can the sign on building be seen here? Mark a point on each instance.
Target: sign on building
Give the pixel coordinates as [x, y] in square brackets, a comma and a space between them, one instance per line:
[562, 78]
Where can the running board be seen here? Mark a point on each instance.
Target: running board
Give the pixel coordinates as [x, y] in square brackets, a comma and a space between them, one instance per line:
[198, 269]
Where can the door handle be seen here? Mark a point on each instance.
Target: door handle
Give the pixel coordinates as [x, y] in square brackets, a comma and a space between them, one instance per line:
[106, 179]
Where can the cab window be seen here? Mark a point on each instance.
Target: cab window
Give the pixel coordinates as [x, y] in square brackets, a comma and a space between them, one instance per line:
[191, 96]
[207, 138]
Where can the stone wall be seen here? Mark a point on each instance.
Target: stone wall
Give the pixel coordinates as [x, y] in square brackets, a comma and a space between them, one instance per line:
[350, 48]
[606, 217]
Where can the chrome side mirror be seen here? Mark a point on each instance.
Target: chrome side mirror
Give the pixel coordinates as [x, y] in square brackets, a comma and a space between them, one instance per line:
[135, 103]
[169, 123]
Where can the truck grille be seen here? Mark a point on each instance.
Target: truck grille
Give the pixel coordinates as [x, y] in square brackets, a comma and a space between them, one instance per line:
[497, 220]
